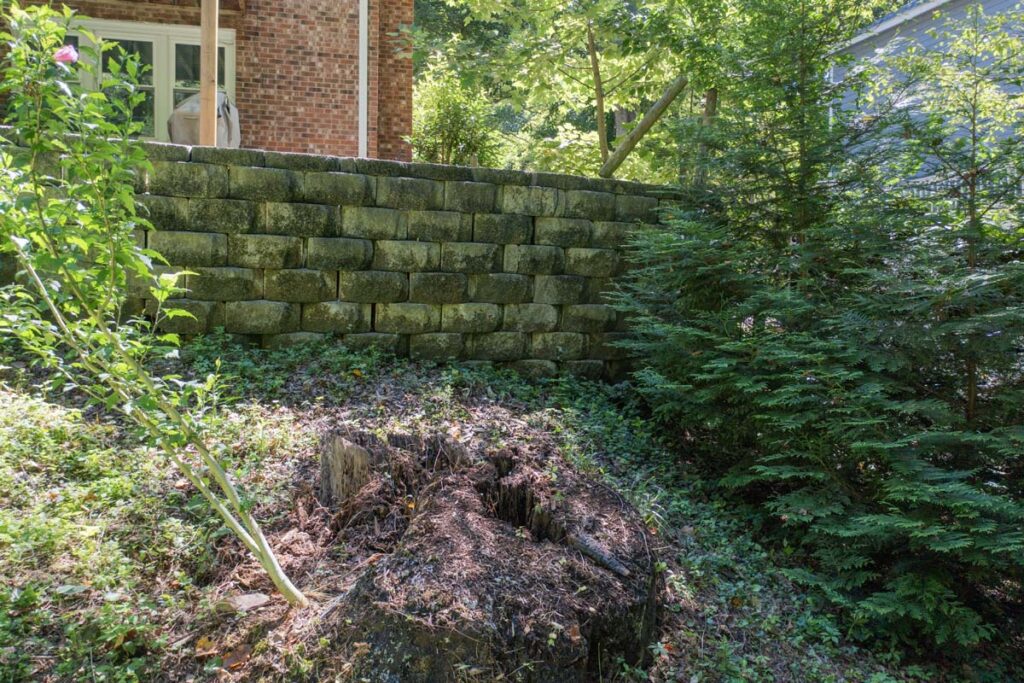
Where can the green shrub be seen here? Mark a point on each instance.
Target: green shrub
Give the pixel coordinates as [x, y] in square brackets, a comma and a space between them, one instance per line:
[453, 124]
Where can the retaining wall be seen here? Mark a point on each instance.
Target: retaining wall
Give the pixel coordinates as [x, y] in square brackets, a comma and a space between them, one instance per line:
[432, 261]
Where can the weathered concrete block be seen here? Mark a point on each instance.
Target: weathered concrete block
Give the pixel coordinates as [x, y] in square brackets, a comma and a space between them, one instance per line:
[163, 151]
[588, 318]
[185, 179]
[290, 339]
[350, 189]
[436, 346]
[534, 369]
[558, 345]
[264, 251]
[410, 193]
[437, 288]
[372, 223]
[264, 184]
[605, 346]
[206, 315]
[225, 284]
[502, 228]
[165, 213]
[530, 317]
[597, 206]
[261, 317]
[470, 257]
[532, 200]
[407, 318]
[470, 318]
[611, 234]
[406, 256]
[528, 259]
[633, 208]
[584, 369]
[338, 253]
[373, 286]
[500, 288]
[228, 156]
[337, 317]
[593, 262]
[190, 248]
[302, 220]
[301, 285]
[390, 343]
[440, 226]
[597, 290]
[296, 161]
[496, 346]
[562, 232]
[558, 289]
[230, 216]
[470, 197]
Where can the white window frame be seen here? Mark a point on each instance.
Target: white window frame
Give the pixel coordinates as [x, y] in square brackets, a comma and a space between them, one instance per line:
[165, 38]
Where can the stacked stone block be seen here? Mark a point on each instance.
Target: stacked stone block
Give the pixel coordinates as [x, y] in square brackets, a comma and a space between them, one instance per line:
[434, 261]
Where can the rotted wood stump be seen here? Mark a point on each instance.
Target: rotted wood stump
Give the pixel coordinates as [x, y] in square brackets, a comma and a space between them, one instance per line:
[500, 568]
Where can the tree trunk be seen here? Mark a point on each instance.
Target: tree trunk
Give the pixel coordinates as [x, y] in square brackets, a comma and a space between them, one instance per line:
[595, 65]
[650, 118]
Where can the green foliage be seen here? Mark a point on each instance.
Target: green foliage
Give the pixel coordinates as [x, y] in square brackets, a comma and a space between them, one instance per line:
[453, 123]
[849, 355]
[68, 215]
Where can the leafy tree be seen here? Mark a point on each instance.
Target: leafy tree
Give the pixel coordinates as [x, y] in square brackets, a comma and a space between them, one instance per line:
[842, 347]
[68, 215]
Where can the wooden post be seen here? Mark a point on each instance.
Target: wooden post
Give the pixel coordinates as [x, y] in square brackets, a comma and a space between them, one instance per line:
[208, 74]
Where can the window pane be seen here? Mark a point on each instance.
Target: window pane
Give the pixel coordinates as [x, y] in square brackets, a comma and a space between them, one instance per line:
[186, 67]
[142, 48]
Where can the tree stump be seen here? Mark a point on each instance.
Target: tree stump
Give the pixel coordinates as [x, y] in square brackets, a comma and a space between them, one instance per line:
[344, 470]
[501, 569]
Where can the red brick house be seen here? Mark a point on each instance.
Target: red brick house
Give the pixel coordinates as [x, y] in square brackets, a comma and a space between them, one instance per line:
[317, 76]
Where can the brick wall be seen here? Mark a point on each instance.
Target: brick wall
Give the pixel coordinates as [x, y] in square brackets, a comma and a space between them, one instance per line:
[298, 70]
[433, 261]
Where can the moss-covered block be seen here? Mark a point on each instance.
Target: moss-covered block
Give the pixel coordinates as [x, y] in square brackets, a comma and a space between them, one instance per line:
[185, 179]
[469, 197]
[410, 193]
[390, 343]
[373, 223]
[558, 289]
[373, 286]
[264, 251]
[470, 317]
[290, 339]
[562, 232]
[530, 317]
[302, 220]
[337, 317]
[406, 256]
[301, 285]
[228, 156]
[597, 206]
[470, 257]
[436, 346]
[437, 288]
[406, 318]
[203, 316]
[593, 262]
[261, 317]
[532, 201]
[588, 318]
[350, 189]
[225, 284]
[533, 368]
[612, 234]
[634, 208]
[496, 346]
[190, 248]
[558, 345]
[528, 259]
[165, 213]
[502, 228]
[440, 226]
[606, 346]
[500, 288]
[230, 216]
[338, 253]
[585, 369]
[264, 184]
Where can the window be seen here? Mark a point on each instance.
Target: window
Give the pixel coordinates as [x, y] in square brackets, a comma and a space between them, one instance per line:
[171, 52]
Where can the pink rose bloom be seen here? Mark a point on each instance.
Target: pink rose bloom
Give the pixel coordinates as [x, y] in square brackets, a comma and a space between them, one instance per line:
[66, 55]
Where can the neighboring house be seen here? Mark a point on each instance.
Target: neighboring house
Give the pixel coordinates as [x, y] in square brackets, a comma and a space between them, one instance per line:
[316, 76]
